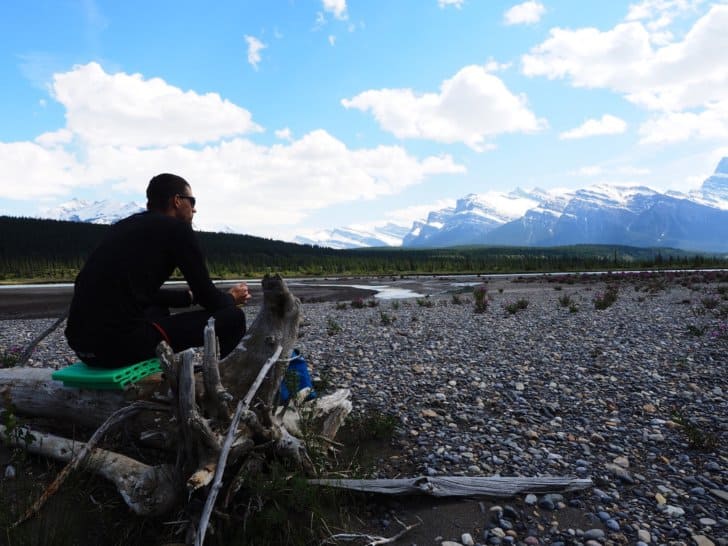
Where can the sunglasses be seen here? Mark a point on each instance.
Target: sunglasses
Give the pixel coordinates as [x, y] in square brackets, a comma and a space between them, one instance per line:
[191, 199]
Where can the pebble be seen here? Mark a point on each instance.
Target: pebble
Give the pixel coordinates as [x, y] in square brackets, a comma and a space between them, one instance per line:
[591, 395]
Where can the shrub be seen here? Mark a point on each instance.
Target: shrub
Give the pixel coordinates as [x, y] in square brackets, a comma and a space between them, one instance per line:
[605, 299]
[565, 300]
[480, 293]
[372, 303]
[516, 306]
[456, 299]
[340, 305]
[395, 305]
[721, 332]
[699, 437]
[357, 303]
[385, 319]
[332, 327]
[424, 302]
[9, 357]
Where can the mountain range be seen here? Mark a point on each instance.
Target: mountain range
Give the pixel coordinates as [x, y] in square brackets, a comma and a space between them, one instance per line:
[598, 214]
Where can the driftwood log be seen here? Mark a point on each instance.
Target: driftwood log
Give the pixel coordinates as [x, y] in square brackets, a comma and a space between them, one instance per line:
[212, 420]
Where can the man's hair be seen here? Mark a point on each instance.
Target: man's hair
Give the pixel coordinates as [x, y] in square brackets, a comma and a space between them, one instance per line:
[161, 188]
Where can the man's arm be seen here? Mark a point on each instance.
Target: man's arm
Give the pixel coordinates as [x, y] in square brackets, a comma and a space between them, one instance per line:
[191, 263]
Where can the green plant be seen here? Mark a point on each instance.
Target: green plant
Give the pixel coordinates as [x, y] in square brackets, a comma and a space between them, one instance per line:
[456, 299]
[516, 306]
[565, 300]
[480, 294]
[699, 435]
[425, 302]
[332, 327]
[340, 305]
[372, 302]
[573, 308]
[385, 319]
[395, 305]
[375, 425]
[357, 303]
[605, 299]
[696, 330]
[9, 356]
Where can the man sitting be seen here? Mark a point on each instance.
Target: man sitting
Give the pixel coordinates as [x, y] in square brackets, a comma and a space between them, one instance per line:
[120, 312]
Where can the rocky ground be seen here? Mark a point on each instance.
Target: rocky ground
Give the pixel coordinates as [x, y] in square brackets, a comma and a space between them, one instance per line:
[632, 396]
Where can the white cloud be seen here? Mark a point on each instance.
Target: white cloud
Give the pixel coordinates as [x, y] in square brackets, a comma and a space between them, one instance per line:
[126, 109]
[589, 170]
[470, 107]
[455, 3]
[284, 134]
[526, 13]
[336, 7]
[659, 14]
[238, 183]
[406, 216]
[670, 127]
[607, 125]
[254, 48]
[332, 40]
[682, 80]
[677, 76]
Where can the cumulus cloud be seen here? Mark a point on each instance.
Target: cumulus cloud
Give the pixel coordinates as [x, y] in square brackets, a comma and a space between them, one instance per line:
[335, 7]
[254, 48]
[471, 107]
[455, 3]
[526, 13]
[127, 109]
[670, 79]
[670, 127]
[607, 125]
[238, 182]
[332, 40]
[284, 134]
[678, 76]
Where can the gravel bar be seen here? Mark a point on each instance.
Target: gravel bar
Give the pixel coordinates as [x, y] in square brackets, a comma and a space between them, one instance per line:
[632, 396]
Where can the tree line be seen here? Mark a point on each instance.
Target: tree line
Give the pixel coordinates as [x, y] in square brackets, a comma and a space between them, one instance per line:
[52, 250]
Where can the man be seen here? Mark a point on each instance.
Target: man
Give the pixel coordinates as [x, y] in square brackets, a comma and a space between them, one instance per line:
[120, 312]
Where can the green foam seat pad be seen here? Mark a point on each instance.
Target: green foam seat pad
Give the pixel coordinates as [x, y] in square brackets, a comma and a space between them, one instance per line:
[81, 376]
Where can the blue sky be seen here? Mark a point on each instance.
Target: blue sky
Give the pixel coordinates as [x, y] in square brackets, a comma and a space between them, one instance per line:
[290, 116]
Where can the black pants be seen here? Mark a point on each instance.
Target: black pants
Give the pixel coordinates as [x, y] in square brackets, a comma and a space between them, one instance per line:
[181, 331]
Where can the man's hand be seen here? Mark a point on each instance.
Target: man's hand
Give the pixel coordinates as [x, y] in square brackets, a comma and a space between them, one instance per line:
[240, 293]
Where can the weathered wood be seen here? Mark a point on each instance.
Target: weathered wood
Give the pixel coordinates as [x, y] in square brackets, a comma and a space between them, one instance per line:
[31, 391]
[460, 486]
[243, 405]
[147, 490]
[276, 323]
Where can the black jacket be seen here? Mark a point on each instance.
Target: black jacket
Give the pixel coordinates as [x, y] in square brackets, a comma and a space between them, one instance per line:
[123, 276]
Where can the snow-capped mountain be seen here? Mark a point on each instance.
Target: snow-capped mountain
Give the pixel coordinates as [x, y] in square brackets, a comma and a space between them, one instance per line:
[348, 237]
[473, 217]
[96, 212]
[599, 214]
